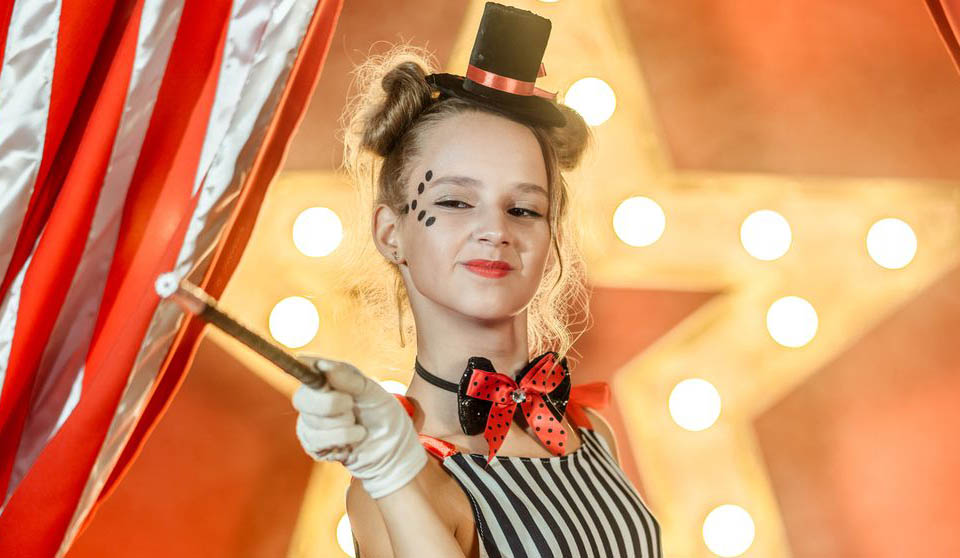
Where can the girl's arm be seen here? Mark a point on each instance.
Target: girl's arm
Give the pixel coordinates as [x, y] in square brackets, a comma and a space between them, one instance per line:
[403, 523]
[353, 420]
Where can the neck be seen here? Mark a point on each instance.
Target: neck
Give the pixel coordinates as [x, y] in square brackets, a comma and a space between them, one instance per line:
[443, 347]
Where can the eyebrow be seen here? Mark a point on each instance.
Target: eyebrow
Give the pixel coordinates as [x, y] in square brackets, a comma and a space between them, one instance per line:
[474, 183]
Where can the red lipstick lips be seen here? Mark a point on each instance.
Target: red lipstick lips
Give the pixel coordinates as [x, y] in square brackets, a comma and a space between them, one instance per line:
[489, 268]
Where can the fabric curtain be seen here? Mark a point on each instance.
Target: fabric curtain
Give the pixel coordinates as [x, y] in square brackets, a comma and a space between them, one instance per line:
[946, 16]
[137, 137]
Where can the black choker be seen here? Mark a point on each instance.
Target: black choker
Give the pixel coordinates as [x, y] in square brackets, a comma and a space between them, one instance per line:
[439, 382]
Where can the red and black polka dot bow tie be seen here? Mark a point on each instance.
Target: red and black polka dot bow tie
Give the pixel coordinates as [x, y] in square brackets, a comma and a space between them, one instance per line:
[487, 400]
[531, 393]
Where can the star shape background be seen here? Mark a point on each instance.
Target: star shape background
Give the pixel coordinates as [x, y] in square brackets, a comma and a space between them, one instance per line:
[835, 116]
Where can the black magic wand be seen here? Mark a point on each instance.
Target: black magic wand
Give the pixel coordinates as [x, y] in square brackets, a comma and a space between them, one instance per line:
[194, 300]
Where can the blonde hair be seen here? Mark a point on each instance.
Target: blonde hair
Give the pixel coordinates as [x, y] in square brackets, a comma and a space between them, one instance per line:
[382, 128]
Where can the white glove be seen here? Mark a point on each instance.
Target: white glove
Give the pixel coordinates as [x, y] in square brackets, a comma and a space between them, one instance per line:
[363, 425]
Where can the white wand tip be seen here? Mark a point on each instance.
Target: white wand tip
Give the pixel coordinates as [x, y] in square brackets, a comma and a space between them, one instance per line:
[166, 284]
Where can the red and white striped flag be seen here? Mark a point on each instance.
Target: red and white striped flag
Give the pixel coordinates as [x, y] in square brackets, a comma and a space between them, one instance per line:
[136, 137]
[946, 16]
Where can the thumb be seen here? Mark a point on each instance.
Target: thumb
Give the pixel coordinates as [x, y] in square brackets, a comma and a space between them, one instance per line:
[342, 376]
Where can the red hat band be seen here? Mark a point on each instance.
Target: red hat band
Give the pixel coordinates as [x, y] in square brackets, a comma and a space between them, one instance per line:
[507, 84]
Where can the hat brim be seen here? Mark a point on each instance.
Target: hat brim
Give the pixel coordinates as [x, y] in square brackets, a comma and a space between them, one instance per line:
[529, 108]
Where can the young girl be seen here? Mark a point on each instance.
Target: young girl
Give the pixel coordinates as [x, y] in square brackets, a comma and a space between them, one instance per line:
[471, 212]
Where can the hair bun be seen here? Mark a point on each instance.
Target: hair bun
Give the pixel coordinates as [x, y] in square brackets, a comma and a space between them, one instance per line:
[570, 141]
[407, 93]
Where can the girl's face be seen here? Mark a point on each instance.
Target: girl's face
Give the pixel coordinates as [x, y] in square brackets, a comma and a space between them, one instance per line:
[479, 192]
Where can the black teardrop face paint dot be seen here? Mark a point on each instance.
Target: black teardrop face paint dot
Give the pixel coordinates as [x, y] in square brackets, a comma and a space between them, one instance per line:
[420, 215]
[413, 204]
[406, 208]
[429, 175]
[420, 188]
[430, 221]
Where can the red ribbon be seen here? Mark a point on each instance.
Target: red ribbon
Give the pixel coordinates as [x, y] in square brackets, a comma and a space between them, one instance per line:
[506, 395]
[510, 85]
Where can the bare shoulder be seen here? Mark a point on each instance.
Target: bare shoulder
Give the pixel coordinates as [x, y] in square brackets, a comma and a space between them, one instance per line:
[450, 503]
[603, 428]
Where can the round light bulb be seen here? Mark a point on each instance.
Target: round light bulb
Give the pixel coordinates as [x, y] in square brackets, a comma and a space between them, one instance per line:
[728, 530]
[891, 243]
[592, 98]
[639, 221]
[694, 404]
[765, 235]
[792, 321]
[294, 321]
[317, 231]
[345, 536]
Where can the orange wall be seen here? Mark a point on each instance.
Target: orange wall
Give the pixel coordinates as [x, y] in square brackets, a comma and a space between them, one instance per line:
[865, 455]
[221, 475]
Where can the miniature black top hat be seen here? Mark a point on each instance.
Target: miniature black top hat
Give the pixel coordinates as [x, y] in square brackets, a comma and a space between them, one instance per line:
[504, 66]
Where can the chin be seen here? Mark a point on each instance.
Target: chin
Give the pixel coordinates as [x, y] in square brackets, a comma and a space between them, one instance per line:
[483, 309]
[494, 302]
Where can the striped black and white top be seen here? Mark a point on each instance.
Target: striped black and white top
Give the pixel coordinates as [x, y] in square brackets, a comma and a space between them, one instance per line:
[576, 505]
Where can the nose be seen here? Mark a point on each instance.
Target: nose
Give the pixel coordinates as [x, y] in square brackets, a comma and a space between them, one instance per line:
[494, 228]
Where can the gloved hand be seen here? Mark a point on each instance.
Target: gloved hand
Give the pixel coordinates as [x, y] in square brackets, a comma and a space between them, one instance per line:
[364, 425]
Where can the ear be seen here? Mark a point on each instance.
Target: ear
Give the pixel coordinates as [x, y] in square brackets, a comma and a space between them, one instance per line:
[386, 233]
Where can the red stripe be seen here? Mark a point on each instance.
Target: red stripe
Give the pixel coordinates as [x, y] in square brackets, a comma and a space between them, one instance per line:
[6, 11]
[75, 88]
[293, 105]
[946, 16]
[158, 198]
[48, 279]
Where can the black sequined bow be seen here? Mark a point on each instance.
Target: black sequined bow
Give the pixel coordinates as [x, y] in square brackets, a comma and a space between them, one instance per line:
[473, 412]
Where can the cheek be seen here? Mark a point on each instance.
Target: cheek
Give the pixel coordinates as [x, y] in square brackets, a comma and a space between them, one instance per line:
[433, 246]
[541, 252]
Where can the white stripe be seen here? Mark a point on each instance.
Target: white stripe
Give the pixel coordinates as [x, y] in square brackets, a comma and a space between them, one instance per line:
[529, 545]
[494, 527]
[591, 525]
[590, 490]
[248, 23]
[60, 372]
[628, 486]
[568, 504]
[8, 321]
[564, 503]
[606, 460]
[621, 530]
[587, 467]
[538, 519]
[25, 82]
[266, 80]
[536, 512]
[598, 460]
